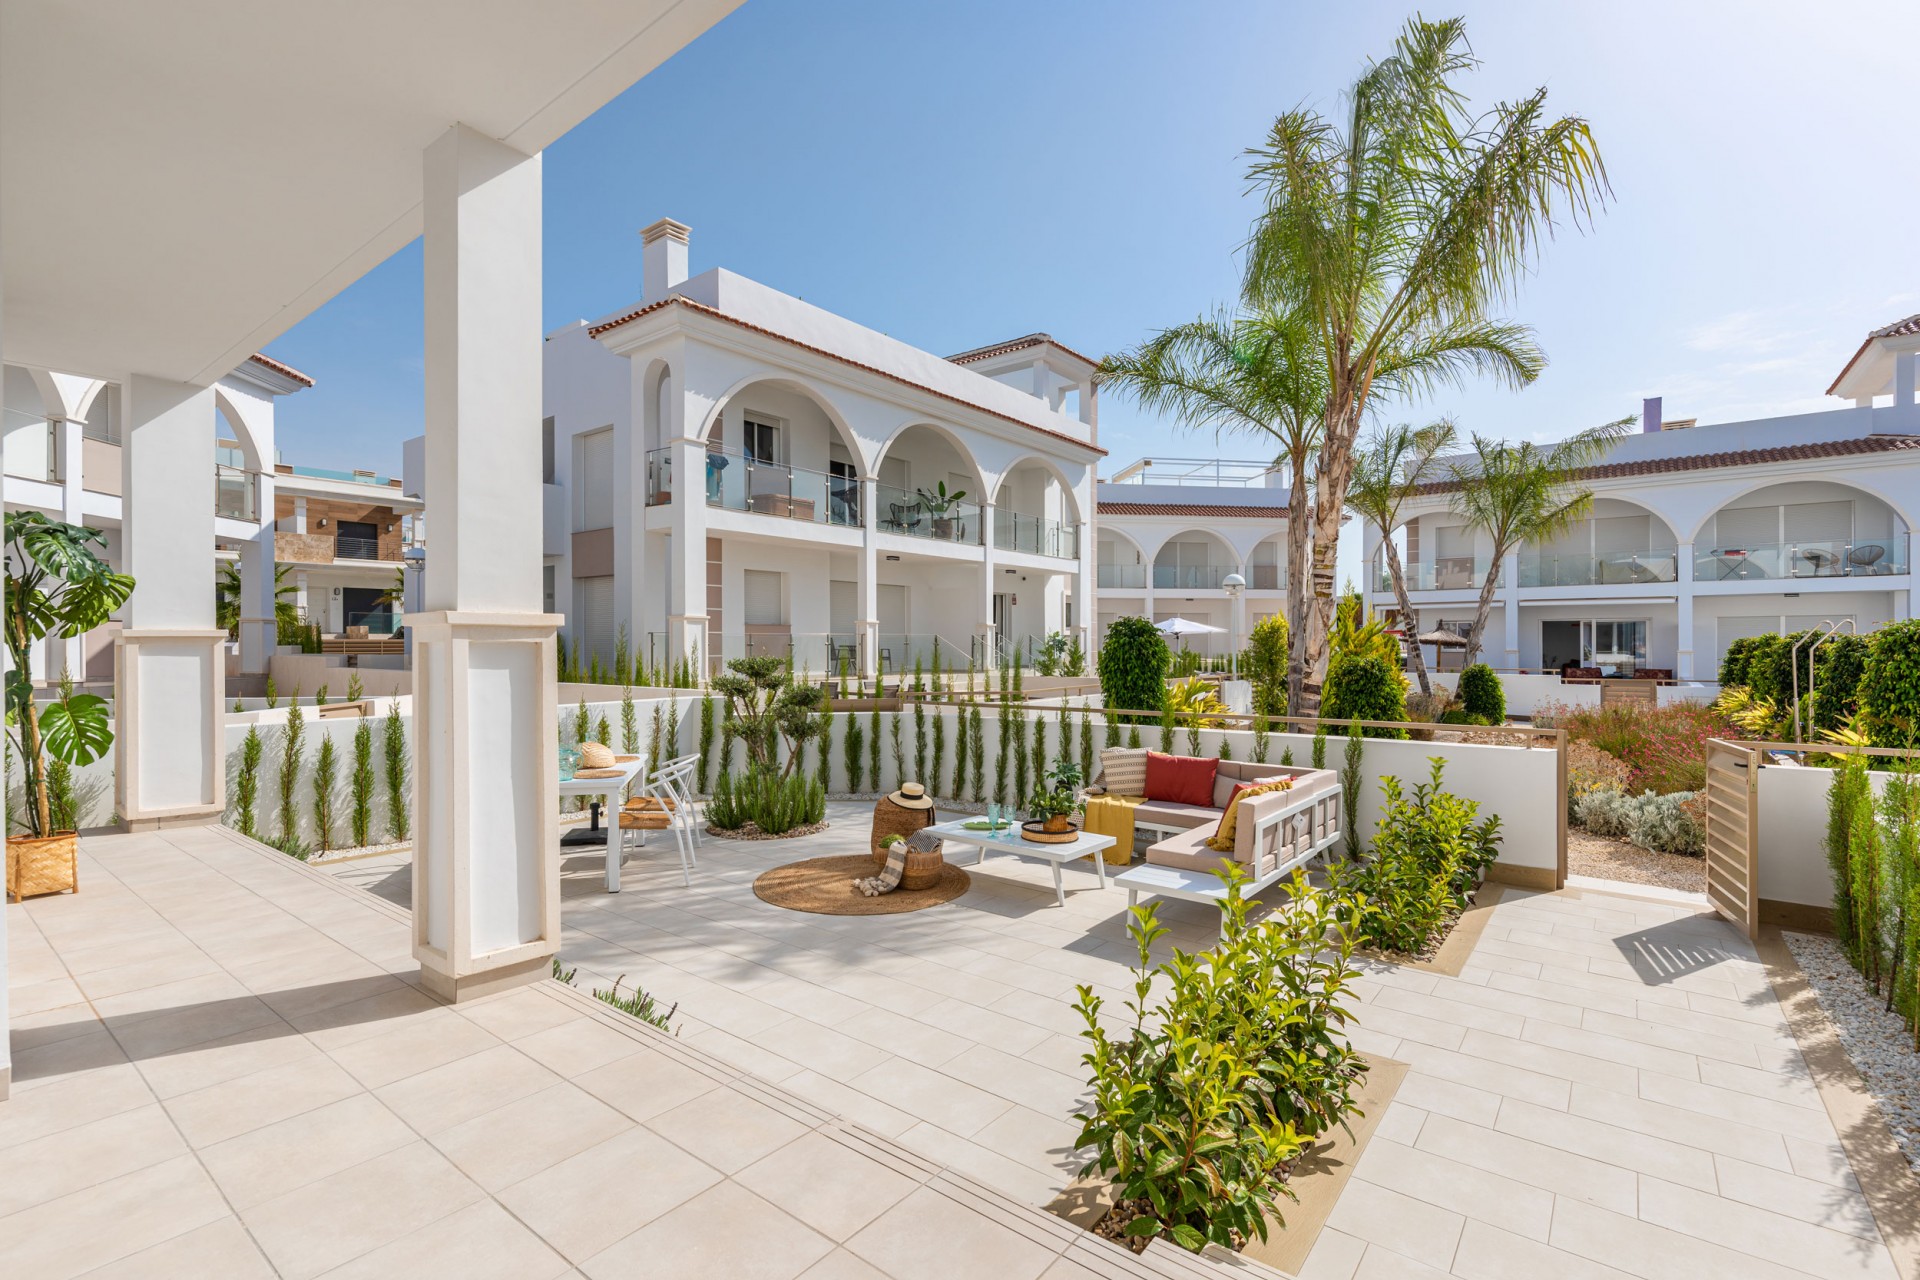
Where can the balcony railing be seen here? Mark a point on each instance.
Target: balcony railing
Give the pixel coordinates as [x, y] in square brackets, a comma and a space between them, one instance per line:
[1266, 577]
[233, 493]
[1449, 573]
[737, 482]
[1035, 535]
[1614, 568]
[1123, 575]
[351, 548]
[1193, 577]
[1859, 558]
[916, 515]
[378, 622]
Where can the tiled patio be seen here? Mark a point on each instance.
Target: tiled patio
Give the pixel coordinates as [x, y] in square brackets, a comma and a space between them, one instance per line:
[221, 1070]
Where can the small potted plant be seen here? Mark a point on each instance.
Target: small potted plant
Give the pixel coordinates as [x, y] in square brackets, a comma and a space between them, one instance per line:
[938, 503]
[56, 585]
[1056, 799]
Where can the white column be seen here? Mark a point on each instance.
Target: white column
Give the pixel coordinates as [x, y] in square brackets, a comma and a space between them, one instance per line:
[169, 673]
[1903, 381]
[486, 881]
[68, 436]
[1086, 584]
[867, 620]
[1510, 607]
[1683, 664]
[258, 634]
[983, 625]
[299, 515]
[687, 632]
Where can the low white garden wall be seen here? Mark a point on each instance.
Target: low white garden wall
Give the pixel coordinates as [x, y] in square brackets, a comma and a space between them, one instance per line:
[1793, 870]
[1526, 693]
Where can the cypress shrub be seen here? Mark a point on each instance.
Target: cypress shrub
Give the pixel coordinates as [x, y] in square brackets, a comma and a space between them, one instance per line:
[246, 787]
[326, 787]
[393, 747]
[360, 785]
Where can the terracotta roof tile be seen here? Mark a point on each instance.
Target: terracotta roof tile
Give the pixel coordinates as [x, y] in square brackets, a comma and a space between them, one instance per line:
[1898, 329]
[701, 307]
[1206, 510]
[1020, 344]
[1733, 458]
[284, 370]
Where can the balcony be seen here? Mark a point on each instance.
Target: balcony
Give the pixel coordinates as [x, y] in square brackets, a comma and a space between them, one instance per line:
[234, 493]
[1617, 568]
[1132, 576]
[918, 515]
[1860, 558]
[1035, 535]
[1190, 577]
[1449, 573]
[348, 548]
[736, 482]
[1266, 577]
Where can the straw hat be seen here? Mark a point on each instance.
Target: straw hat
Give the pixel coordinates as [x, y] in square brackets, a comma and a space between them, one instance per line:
[596, 755]
[911, 795]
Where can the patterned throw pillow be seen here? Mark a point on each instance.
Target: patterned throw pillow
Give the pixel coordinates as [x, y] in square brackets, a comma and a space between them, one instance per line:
[1123, 770]
[1221, 841]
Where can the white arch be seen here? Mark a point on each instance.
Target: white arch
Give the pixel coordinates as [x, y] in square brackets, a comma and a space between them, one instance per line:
[66, 395]
[1105, 530]
[1052, 468]
[243, 414]
[945, 433]
[1749, 490]
[1233, 557]
[788, 382]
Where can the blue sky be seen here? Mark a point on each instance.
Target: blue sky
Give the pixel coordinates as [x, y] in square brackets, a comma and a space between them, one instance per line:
[958, 174]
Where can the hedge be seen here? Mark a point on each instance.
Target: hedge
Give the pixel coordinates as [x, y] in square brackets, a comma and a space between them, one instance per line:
[1365, 688]
[1481, 695]
[1890, 685]
[1133, 666]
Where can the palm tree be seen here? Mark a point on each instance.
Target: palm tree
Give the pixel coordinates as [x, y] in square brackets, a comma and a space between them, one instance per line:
[1394, 464]
[226, 605]
[1255, 373]
[1398, 231]
[1520, 493]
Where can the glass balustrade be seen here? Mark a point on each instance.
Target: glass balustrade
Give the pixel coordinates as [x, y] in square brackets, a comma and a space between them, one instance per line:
[1192, 577]
[233, 493]
[1035, 535]
[1123, 575]
[1614, 568]
[737, 482]
[1857, 558]
[920, 514]
[1449, 573]
[1266, 577]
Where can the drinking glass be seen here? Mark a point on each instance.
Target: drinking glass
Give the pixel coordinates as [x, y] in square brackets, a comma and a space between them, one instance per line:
[993, 817]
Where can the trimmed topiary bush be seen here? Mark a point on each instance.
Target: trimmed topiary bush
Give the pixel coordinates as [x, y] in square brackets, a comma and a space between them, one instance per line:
[1363, 687]
[1890, 685]
[1841, 664]
[1133, 666]
[1733, 667]
[1481, 695]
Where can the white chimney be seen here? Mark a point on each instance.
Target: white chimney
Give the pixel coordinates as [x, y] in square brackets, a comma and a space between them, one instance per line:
[664, 258]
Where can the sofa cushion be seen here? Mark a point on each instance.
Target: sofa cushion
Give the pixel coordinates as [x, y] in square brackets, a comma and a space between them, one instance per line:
[1123, 770]
[1222, 840]
[1186, 851]
[1161, 813]
[1182, 779]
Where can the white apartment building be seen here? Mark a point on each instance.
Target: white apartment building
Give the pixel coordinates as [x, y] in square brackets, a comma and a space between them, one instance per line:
[1171, 535]
[1699, 535]
[731, 470]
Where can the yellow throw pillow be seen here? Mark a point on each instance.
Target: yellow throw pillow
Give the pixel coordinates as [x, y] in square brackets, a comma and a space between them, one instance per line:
[1221, 841]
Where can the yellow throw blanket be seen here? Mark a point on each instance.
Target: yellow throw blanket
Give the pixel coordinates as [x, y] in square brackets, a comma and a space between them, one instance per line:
[1112, 816]
[1221, 841]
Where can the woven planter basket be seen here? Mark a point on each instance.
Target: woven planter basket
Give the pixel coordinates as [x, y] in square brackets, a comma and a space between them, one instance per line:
[42, 864]
[889, 819]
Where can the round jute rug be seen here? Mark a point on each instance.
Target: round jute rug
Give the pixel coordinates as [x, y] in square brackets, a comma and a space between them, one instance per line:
[824, 886]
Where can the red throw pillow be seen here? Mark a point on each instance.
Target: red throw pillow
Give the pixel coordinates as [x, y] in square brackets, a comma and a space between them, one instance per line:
[1181, 779]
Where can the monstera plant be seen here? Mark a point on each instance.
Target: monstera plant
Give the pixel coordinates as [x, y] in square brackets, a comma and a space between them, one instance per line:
[56, 586]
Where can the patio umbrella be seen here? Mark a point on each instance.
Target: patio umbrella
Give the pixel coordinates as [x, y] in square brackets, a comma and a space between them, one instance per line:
[1187, 627]
[1446, 639]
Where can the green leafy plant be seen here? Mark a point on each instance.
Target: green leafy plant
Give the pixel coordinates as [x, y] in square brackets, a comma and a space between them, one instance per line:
[1365, 687]
[1202, 1101]
[899, 753]
[320, 695]
[360, 785]
[292, 748]
[979, 762]
[1665, 823]
[1057, 794]
[765, 703]
[873, 748]
[824, 731]
[938, 758]
[961, 750]
[1890, 684]
[356, 689]
[1481, 695]
[706, 741]
[773, 802]
[246, 783]
[638, 1004]
[326, 789]
[55, 586]
[1320, 745]
[1264, 663]
[1133, 666]
[393, 746]
[919, 729]
[273, 695]
[1086, 740]
[1428, 855]
[1350, 787]
[855, 746]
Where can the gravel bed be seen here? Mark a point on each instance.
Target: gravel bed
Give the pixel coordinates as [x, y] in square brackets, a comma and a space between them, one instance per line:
[1878, 1041]
[1605, 859]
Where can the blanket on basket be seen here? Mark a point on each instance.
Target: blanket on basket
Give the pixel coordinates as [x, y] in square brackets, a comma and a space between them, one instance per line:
[922, 841]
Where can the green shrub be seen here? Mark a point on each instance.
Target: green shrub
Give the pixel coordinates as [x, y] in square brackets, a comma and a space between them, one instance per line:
[776, 803]
[1591, 769]
[723, 808]
[1733, 667]
[1850, 791]
[360, 785]
[1240, 1063]
[1663, 747]
[1890, 685]
[1840, 665]
[394, 747]
[1663, 823]
[1133, 666]
[706, 740]
[1264, 663]
[854, 745]
[246, 786]
[291, 749]
[1481, 695]
[326, 787]
[1365, 687]
[1428, 854]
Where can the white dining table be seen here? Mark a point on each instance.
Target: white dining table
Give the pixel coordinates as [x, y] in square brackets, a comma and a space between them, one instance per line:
[610, 789]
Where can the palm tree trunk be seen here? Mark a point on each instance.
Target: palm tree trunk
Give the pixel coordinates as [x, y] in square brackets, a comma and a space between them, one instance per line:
[1297, 539]
[1480, 614]
[1329, 501]
[1408, 617]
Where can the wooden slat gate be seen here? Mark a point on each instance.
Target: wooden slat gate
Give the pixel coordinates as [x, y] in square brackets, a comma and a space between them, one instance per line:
[1733, 841]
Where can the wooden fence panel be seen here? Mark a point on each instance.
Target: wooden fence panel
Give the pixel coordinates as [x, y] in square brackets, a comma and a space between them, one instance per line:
[1733, 843]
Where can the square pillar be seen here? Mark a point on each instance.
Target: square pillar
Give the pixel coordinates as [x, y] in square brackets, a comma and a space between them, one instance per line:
[866, 623]
[1683, 658]
[258, 632]
[169, 671]
[69, 434]
[486, 793]
[687, 559]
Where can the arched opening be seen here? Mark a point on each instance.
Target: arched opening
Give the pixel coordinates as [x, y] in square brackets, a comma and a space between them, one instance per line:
[1193, 560]
[1802, 529]
[1267, 564]
[1120, 565]
[929, 487]
[1619, 543]
[778, 447]
[1034, 511]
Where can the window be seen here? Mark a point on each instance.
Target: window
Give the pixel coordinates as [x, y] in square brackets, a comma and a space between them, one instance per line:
[760, 441]
[593, 625]
[546, 451]
[1616, 648]
[593, 481]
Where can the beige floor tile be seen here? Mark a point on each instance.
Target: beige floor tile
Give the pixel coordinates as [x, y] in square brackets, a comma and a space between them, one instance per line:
[523, 1137]
[479, 1242]
[1838, 1208]
[310, 1231]
[514, 1014]
[110, 1220]
[841, 1265]
[579, 1046]
[725, 1231]
[220, 1249]
[983, 1026]
[644, 1173]
[442, 1097]
[223, 1111]
[1534, 1164]
[833, 1188]
[1384, 1264]
[821, 1049]
[1762, 1233]
[904, 1037]
[1631, 1053]
[726, 1129]
[1548, 1060]
[1335, 1256]
[1679, 1124]
[931, 1235]
[337, 1026]
[1488, 1074]
[1019, 1080]
[1652, 1252]
[1022, 1181]
[278, 1158]
[229, 1058]
[47, 1168]
[1449, 1098]
[1737, 1106]
[70, 1101]
[845, 1100]
[1401, 1223]
[934, 1096]
[1509, 1202]
[410, 1047]
[642, 1085]
[1789, 1089]
[1488, 1253]
[66, 1058]
[1599, 1138]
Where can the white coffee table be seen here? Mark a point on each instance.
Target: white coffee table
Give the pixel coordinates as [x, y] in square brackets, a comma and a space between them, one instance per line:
[1009, 840]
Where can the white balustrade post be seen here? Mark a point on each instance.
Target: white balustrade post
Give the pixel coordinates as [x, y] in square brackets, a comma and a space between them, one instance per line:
[486, 878]
[867, 613]
[169, 671]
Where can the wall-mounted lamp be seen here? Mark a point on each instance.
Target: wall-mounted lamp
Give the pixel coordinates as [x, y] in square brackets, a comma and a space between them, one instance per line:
[893, 558]
[323, 522]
